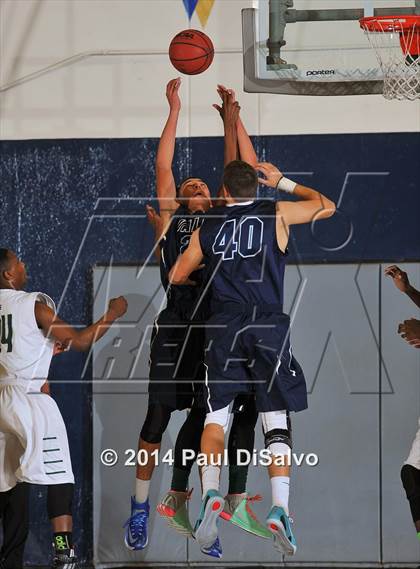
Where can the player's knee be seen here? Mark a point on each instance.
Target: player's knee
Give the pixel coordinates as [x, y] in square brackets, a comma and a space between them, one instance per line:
[277, 432]
[155, 424]
[60, 500]
[220, 417]
[410, 477]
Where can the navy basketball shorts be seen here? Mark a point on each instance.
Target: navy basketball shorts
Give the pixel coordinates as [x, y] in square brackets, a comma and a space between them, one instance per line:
[248, 351]
[177, 369]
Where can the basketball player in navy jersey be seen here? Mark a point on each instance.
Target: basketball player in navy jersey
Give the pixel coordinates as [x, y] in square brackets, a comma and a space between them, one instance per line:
[174, 342]
[244, 248]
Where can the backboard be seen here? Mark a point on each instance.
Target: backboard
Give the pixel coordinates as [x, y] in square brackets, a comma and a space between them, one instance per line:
[313, 47]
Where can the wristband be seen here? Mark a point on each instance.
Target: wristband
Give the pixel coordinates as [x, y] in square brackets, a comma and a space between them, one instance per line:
[286, 185]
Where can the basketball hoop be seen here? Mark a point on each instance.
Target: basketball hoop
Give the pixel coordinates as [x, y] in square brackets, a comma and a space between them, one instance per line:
[396, 41]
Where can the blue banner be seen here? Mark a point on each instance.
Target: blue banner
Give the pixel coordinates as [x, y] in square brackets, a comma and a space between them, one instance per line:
[190, 7]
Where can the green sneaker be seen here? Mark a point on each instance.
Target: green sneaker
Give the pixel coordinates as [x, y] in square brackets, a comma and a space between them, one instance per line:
[173, 508]
[238, 511]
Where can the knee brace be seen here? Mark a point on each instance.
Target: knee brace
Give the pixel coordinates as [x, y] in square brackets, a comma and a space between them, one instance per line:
[155, 424]
[410, 477]
[60, 500]
[220, 417]
[277, 432]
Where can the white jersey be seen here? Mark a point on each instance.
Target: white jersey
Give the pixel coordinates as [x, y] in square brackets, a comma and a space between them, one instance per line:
[25, 353]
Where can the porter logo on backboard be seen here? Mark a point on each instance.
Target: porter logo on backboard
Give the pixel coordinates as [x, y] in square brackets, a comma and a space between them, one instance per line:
[320, 72]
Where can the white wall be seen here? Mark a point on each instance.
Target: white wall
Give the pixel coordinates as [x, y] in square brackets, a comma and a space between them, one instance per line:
[123, 96]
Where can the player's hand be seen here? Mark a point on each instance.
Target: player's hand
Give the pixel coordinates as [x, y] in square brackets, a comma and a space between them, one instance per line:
[154, 219]
[60, 347]
[172, 94]
[272, 174]
[230, 110]
[399, 277]
[117, 307]
[410, 331]
[221, 89]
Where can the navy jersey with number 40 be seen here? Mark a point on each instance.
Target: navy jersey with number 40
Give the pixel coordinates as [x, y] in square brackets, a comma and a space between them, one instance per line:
[243, 260]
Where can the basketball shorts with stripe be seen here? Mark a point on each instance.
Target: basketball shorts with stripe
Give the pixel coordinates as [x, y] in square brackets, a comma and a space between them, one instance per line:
[33, 440]
[252, 354]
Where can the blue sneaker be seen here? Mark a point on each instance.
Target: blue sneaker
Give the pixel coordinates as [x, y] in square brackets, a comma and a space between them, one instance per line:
[136, 537]
[279, 523]
[214, 551]
[205, 531]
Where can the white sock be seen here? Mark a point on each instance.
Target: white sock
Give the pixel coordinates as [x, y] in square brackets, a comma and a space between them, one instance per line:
[280, 491]
[142, 490]
[210, 478]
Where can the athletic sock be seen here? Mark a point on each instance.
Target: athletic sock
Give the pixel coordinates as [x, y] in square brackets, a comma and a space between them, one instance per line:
[180, 478]
[211, 478]
[142, 490]
[237, 479]
[63, 542]
[280, 491]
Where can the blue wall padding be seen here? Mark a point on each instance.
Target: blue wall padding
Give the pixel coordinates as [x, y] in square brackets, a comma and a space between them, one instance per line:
[49, 204]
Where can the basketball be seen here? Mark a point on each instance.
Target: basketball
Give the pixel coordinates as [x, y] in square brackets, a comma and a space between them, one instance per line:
[191, 52]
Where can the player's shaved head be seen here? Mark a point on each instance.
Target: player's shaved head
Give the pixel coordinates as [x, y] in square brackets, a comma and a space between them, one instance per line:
[12, 270]
[240, 179]
[5, 259]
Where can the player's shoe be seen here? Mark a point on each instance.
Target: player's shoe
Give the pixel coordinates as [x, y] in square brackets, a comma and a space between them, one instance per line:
[237, 510]
[205, 530]
[65, 561]
[136, 537]
[173, 507]
[214, 550]
[279, 524]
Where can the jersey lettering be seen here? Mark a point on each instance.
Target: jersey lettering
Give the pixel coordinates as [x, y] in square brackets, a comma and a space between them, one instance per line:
[184, 242]
[247, 241]
[6, 332]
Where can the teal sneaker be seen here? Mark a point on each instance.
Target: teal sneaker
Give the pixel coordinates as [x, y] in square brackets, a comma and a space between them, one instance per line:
[237, 511]
[173, 507]
[279, 523]
[205, 530]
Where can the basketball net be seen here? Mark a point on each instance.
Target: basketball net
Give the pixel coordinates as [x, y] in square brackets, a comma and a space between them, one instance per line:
[396, 41]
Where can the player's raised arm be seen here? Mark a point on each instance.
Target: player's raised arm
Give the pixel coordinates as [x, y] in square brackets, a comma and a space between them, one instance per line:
[402, 282]
[246, 148]
[80, 340]
[229, 111]
[188, 262]
[165, 183]
[312, 205]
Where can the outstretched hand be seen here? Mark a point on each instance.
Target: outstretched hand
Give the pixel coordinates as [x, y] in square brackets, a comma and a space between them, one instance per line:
[229, 111]
[117, 307]
[272, 174]
[172, 94]
[221, 89]
[410, 331]
[399, 277]
[155, 220]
